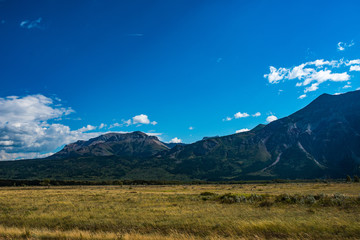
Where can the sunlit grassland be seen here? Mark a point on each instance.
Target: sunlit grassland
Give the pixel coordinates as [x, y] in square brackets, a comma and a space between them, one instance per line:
[175, 212]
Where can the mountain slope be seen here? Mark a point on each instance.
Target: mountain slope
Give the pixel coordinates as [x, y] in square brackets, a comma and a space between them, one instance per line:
[320, 140]
[135, 144]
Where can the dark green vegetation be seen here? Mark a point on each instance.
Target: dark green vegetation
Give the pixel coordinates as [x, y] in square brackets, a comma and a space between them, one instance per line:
[321, 140]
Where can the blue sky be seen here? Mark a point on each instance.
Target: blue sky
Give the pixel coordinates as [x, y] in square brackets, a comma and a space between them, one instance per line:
[177, 69]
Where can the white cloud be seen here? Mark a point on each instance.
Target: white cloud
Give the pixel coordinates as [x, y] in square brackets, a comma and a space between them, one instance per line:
[27, 128]
[175, 140]
[347, 86]
[141, 119]
[31, 24]
[87, 128]
[337, 94]
[241, 115]
[191, 128]
[355, 68]
[271, 118]
[276, 75]
[242, 130]
[138, 119]
[258, 114]
[127, 122]
[341, 46]
[322, 62]
[312, 88]
[352, 62]
[27, 131]
[116, 125]
[313, 72]
[227, 119]
[302, 96]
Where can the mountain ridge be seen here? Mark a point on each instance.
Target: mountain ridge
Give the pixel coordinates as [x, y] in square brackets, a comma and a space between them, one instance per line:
[321, 140]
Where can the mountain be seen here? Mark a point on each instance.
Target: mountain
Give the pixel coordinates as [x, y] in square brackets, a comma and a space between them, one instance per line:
[321, 140]
[135, 144]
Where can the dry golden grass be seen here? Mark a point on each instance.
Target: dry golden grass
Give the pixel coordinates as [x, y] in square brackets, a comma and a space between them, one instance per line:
[173, 212]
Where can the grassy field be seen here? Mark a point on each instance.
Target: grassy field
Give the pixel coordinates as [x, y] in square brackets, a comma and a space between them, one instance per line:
[248, 211]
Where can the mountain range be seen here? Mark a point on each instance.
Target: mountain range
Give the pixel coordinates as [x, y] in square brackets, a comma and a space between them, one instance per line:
[321, 140]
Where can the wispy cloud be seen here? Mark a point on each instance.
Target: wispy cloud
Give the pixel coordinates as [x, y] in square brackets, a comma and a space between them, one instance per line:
[136, 120]
[134, 34]
[242, 115]
[341, 46]
[302, 96]
[32, 24]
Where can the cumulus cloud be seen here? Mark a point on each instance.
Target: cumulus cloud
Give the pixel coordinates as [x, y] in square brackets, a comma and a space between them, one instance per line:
[142, 119]
[31, 24]
[241, 115]
[271, 118]
[355, 68]
[311, 74]
[175, 140]
[258, 114]
[242, 130]
[27, 129]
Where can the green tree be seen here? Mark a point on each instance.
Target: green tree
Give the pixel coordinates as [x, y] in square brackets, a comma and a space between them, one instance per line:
[45, 182]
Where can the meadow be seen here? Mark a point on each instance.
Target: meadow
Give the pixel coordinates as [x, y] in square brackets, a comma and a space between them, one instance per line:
[239, 211]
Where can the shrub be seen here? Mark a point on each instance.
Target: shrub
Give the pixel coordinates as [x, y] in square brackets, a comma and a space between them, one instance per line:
[348, 178]
[266, 203]
[356, 178]
[310, 199]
